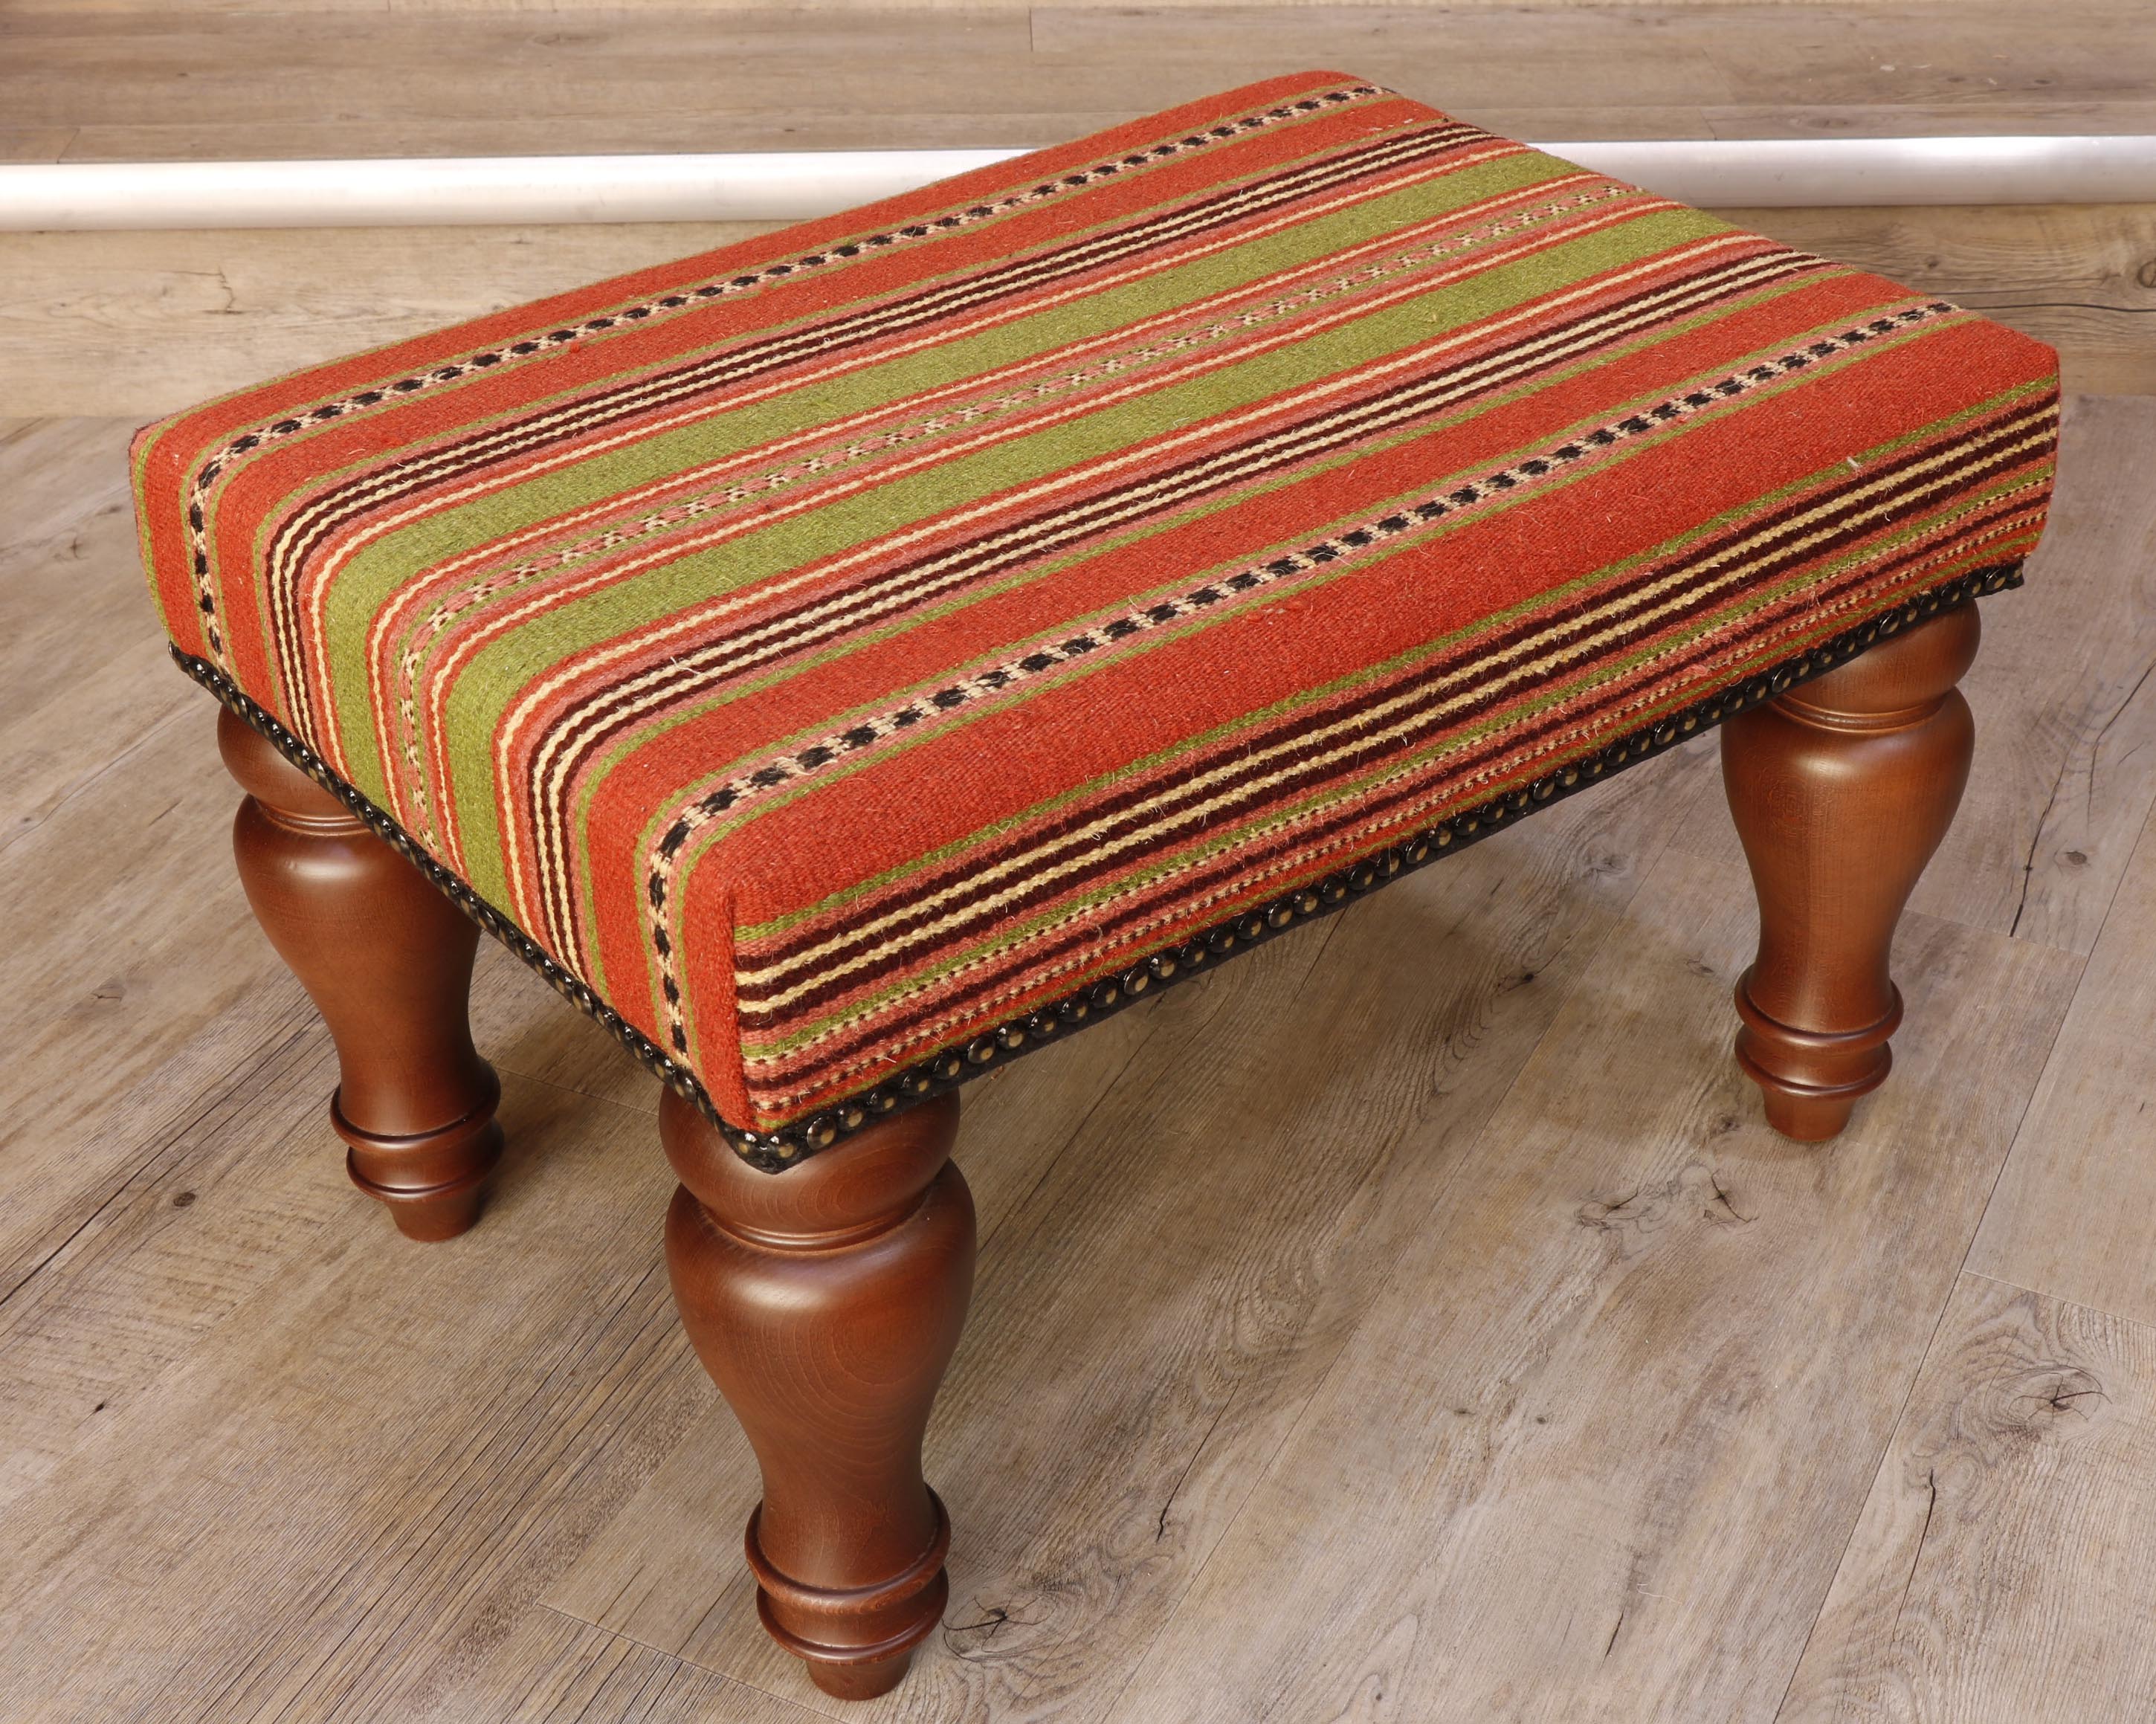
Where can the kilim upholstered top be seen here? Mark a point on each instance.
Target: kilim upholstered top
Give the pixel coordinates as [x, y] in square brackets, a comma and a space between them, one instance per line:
[845, 658]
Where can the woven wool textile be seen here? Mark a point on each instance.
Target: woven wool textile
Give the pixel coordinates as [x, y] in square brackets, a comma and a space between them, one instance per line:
[832, 648]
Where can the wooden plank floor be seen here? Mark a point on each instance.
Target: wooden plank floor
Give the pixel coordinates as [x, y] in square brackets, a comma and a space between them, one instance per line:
[145, 323]
[1413, 1321]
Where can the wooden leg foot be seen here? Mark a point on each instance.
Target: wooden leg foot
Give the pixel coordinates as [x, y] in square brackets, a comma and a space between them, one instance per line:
[387, 960]
[825, 1301]
[860, 1681]
[433, 1185]
[1841, 790]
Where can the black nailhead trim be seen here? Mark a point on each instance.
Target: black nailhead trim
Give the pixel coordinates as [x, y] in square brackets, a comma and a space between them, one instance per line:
[773, 1151]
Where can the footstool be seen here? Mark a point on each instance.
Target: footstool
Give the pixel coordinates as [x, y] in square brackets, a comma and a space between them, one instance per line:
[847, 661]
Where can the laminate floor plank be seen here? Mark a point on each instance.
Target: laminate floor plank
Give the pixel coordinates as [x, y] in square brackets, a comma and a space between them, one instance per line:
[153, 68]
[554, 1670]
[2004, 1571]
[294, 1524]
[131, 974]
[1595, 1450]
[1623, 58]
[1969, 57]
[142, 324]
[103, 84]
[192, 1224]
[2074, 1216]
[34, 143]
[81, 678]
[164, 1144]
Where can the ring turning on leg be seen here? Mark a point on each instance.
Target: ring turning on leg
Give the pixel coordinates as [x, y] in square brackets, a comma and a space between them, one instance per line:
[1841, 790]
[387, 960]
[825, 1301]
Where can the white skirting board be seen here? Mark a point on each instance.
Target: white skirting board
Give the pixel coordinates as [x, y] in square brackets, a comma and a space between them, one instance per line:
[399, 192]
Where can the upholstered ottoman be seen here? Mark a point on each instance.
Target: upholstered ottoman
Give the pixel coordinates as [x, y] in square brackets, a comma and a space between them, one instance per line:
[849, 661]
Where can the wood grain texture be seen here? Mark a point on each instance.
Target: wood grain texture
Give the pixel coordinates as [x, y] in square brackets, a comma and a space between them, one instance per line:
[826, 1305]
[1960, 9]
[1456, 61]
[34, 143]
[145, 323]
[1533, 1508]
[554, 1670]
[140, 324]
[2075, 1213]
[123, 84]
[141, 1209]
[2004, 1565]
[79, 679]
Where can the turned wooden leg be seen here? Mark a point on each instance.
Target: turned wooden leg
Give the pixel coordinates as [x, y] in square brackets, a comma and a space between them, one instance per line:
[387, 960]
[1841, 790]
[825, 1301]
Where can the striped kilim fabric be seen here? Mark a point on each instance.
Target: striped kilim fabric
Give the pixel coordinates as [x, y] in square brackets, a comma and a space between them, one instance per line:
[844, 659]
